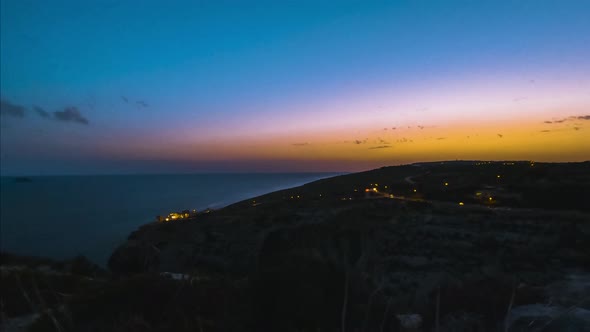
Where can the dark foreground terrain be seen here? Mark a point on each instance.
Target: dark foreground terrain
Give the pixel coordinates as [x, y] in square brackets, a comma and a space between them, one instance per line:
[453, 246]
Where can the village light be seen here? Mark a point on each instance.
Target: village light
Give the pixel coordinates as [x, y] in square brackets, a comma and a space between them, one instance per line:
[461, 203]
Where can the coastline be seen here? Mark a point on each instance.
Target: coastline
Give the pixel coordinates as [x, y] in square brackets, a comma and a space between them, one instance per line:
[395, 238]
[94, 214]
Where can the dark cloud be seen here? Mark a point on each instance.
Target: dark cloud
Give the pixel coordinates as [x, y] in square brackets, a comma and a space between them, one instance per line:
[141, 103]
[70, 114]
[124, 99]
[380, 147]
[300, 144]
[571, 118]
[357, 142]
[545, 131]
[500, 135]
[576, 128]
[41, 112]
[9, 109]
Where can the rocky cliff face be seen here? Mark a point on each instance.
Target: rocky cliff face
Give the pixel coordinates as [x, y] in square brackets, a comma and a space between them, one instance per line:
[330, 256]
[391, 256]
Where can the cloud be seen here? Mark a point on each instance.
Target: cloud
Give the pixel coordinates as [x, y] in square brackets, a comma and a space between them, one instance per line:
[441, 138]
[545, 131]
[70, 114]
[382, 141]
[357, 142]
[500, 135]
[41, 112]
[300, 144]
[380, 147]
[9, 109]
[141, 103]
[571, 118]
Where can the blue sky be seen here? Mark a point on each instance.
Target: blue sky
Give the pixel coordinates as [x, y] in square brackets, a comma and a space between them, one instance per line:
[172, 74]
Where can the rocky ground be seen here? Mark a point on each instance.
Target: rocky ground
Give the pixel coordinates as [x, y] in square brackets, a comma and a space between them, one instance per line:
[330, 256]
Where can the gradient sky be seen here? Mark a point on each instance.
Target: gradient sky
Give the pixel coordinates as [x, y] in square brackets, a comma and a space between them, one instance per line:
[178, 86]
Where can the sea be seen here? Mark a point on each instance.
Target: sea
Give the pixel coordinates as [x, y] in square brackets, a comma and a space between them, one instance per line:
[65, 216]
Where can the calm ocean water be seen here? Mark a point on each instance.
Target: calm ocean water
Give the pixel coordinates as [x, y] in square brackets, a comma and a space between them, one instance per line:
[64, 216]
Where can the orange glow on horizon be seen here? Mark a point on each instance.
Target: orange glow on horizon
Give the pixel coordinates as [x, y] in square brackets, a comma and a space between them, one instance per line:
[566, 139]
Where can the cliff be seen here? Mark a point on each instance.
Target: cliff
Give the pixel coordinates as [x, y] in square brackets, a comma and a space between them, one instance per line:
[453, 246]
[393, 240]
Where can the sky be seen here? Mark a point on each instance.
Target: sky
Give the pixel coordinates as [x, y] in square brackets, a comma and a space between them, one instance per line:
[109, 87]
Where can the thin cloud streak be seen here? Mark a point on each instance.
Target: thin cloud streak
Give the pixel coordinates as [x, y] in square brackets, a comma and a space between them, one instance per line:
[9, 109]
[41, 112]
[70, 114]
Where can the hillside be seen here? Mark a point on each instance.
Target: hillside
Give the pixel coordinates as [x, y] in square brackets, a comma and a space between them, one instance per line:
[453, 245]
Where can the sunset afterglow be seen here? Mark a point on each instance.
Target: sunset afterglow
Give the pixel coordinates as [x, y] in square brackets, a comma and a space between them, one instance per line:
[325, 87]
